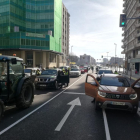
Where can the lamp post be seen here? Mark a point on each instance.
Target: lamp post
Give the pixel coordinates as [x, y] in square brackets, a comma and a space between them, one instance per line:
[107, 57]
[71, 53]
[115, 54]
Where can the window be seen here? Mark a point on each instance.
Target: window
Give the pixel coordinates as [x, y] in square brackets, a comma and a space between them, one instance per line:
[33, 42]
[37, 42]
[22, 41]
[27, 41]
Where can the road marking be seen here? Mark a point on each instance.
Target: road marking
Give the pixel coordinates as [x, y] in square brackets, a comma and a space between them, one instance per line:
[73, 93]
[106, 126]
[73, 104]
[15, 123]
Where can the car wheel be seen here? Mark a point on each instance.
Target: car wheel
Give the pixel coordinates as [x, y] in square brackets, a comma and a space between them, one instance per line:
[56, 85]
[97, 107]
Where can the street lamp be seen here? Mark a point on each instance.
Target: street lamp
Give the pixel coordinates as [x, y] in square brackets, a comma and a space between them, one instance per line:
[107, 57]
[115, 54]
[71, 53]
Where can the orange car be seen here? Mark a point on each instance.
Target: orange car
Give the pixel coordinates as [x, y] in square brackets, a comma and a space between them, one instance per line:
[113, 92]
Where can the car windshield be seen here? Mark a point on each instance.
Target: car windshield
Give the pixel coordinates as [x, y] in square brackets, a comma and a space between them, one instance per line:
[114, 81]
[74, 69]
[105, 71]
[3, 71]
[49, 72]
[27, 70]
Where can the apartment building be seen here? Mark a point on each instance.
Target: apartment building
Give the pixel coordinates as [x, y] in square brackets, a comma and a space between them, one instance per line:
[131, 35]
[87, 60]
[65, 34]
[32, 29]
[116, 61]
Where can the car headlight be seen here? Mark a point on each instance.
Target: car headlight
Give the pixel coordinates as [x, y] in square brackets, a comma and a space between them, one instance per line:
[133, 96]
[36, 79]
[102, 94]
[52, 79]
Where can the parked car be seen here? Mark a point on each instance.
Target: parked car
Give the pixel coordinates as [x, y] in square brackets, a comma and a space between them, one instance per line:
[82, 70]
[75, 72]
[30, 71]
[113, 92]
[51, 79]
[101, 71]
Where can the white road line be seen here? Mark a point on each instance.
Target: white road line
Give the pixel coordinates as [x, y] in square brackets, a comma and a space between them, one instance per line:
[15, 123]
[106, 126]
[74, 93]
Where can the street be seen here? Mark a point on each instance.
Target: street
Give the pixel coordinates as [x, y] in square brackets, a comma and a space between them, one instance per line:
[68, 114]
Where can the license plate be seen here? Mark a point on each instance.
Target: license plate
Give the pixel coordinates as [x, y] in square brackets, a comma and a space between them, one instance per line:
[118, 103]
[42, 85]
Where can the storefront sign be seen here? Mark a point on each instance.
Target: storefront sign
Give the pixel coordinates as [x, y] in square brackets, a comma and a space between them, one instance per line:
[35, 35]
[135, 60]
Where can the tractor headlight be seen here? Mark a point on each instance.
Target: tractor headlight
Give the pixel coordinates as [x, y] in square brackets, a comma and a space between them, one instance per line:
[133, 96]
[102, 94]
[36, 79]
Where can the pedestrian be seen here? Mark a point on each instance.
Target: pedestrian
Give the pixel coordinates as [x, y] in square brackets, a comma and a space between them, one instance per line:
[92, 69]
[38, 72]
[115, 72]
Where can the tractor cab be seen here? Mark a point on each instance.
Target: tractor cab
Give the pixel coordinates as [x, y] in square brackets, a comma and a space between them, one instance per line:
[11, 71]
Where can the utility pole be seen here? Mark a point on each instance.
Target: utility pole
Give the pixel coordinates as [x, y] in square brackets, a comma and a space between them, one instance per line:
[107, 58]
[71, 53]
[115, 54]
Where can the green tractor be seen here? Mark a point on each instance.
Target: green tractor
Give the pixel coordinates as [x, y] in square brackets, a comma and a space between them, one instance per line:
[15, 88]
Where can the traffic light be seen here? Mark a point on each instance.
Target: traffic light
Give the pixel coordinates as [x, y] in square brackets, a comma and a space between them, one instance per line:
[102, 56]
[122, 20]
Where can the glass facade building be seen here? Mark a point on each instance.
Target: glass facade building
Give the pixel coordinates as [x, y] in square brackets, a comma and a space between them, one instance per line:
[24, 25]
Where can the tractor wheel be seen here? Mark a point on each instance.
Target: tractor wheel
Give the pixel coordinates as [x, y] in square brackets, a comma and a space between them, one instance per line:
[1, 109]
[26, 96]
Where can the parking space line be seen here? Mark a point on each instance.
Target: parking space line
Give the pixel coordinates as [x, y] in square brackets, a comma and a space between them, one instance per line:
[74, 93]
[106, 126]
[18, 121]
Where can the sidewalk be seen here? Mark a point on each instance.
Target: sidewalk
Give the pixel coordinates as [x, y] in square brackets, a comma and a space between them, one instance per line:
[133, 76]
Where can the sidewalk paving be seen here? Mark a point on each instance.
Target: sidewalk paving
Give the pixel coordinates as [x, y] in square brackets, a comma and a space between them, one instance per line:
[134, 76]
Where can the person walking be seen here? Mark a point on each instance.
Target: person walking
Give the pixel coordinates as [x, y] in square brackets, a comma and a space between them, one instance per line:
[92, 69]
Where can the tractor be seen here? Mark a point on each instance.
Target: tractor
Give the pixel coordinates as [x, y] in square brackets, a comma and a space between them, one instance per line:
[15, 88]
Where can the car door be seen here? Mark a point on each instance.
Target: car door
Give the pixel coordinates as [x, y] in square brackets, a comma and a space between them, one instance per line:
[136, 87]
[91, 86]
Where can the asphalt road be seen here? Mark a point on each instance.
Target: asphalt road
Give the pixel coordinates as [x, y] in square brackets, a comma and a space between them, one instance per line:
[68, 114]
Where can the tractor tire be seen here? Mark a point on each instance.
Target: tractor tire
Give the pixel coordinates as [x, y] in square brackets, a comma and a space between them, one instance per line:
[1, 109]
[26, 96]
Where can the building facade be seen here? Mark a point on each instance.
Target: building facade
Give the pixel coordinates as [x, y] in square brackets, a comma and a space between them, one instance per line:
[65, 34]
[32, 29]
[131, 35]
[116, 61]
[87, 60]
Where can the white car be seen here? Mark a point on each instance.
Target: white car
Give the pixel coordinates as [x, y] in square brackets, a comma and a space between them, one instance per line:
[75, 72]
[30, 71]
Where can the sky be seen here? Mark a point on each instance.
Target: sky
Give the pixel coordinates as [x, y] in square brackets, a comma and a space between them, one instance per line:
[94, 27]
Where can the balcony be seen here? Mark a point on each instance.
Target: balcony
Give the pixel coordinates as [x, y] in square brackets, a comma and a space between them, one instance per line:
[138, 7]
[123, 28]
[138, 44]
[123, 52]
[122, 40]
[122, 46]
[137, 35]
[138, 56]
[138, 15]
[124, 5]
[123, 34]
[138, 25]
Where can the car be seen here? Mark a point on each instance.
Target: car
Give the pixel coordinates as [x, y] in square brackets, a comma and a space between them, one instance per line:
[75, 72]
[113, 92]
[64, 67]
[50, 78]
[101, 71]
[30, 71]
[82, 70]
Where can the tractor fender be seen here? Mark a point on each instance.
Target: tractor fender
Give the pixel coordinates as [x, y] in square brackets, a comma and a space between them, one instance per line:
[20, 85]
